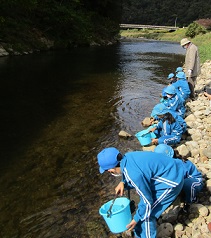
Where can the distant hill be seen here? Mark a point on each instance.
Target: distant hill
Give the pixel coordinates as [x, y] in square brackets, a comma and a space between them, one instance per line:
[165, 12]
[58, 23]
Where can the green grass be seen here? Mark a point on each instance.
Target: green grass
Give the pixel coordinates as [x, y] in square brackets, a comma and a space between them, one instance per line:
[204, 44]
[202, 41]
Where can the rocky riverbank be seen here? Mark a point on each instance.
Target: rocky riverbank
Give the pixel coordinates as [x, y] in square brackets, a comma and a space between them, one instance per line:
[45, 44]
[196, 145]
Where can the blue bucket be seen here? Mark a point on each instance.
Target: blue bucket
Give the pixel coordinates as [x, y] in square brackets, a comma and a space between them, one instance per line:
[145, 137]
[120, 214]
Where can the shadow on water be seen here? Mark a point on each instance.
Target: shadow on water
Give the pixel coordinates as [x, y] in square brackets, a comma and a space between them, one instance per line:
[59, 109]
[54, 109]
[33, 91]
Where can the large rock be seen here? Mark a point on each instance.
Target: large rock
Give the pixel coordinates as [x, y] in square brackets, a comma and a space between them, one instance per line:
[190, 118]
[3, 52]
[207, 152]
[165, 230]
[192, 145]
[146, 122]
[124, 134]
[183, 150]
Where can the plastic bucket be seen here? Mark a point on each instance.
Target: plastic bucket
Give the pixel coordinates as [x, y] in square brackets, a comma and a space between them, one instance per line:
[145, 137]
[120, 214]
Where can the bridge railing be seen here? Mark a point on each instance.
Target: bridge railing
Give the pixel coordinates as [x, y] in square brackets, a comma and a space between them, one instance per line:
[138, 26]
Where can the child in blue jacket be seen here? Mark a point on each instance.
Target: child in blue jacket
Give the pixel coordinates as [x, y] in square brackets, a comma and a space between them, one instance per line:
[179, 69]
[193, 180]
[160, 107]
[157, 179]
[174, 101]
[168, 130]
[182, 86]
[172, 79]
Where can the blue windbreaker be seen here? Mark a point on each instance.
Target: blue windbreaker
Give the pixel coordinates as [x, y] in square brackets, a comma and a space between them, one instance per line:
[178, 118]
[182, 88]
[168, 133]
[190, 170]
[176, 103]
[150, 173]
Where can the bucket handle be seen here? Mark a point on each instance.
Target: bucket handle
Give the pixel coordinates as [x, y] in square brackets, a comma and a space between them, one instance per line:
[109, 210]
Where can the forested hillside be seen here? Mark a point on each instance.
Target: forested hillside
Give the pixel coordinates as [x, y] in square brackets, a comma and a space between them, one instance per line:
[40, 24]
[165, 12]
[64, 22]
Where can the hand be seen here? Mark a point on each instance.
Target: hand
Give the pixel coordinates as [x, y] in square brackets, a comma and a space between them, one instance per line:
[152, 129]
[120, 188]
[152, 120]
[131, 225]
[154, 141]
[190, 72]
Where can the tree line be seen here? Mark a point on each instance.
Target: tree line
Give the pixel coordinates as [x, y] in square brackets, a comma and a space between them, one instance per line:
[80, 22]
[165, 12]
[64, 21]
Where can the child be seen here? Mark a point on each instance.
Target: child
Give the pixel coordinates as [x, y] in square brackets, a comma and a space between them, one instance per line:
[181, 85]
[156, 178]
[179, 69]
[172, 79]
[160, 107]
[193, 182]
[174, 101]
[168, 130]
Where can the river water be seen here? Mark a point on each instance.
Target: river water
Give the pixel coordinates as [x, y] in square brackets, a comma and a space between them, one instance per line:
[58, 110]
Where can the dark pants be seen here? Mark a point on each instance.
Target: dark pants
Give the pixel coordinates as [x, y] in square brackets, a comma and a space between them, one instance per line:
[191, 83]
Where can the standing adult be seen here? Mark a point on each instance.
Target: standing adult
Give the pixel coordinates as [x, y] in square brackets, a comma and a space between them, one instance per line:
[192, 64]
[156, 178]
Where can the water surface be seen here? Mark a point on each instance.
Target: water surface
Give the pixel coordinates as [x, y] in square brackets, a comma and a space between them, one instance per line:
[58, 110]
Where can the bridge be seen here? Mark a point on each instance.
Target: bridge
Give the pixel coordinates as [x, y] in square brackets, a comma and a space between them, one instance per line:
[137, 26]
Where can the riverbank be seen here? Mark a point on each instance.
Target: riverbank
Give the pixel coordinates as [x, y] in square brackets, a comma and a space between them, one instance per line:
[196, 223]
[202, 41]
[197, 146]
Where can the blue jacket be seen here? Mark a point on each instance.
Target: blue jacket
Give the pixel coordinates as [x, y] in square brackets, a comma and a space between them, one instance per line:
[182, 88]
[149, 172]
[190, 170]
[176, 103]
[168, 133]
[178, 118]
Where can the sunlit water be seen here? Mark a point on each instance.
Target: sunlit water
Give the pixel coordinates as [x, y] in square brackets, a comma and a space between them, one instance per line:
[58, 110]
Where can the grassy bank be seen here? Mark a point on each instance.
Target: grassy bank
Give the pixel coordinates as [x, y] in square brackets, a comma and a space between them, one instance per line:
[202, 41]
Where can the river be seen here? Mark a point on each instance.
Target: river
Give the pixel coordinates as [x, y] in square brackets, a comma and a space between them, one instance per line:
[58, 110]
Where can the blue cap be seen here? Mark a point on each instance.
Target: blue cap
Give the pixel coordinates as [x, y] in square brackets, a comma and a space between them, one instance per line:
[179, 69]
[170, 89]
[171, 75]
[181, 75]
[164, 149]
[107, 159]
[159, 109]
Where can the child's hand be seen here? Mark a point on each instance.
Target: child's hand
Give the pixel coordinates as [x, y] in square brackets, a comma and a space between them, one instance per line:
[120, 188]
[154, 141]
[152, 129]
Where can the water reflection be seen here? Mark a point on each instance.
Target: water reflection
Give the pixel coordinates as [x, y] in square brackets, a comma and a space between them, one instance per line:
[145, 67]
[59, 110]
